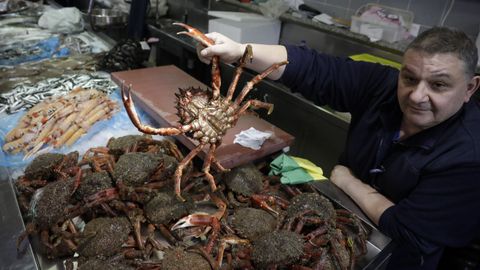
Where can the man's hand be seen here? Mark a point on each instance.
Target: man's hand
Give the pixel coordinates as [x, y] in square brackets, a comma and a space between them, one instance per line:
[228, 50]
[341, 176]
[370, 200]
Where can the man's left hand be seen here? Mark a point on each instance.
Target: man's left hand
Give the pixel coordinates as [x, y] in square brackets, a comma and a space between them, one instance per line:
[370, 200]
[341, 176]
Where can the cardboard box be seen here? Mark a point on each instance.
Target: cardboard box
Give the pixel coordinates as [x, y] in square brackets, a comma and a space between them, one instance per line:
[245, 27]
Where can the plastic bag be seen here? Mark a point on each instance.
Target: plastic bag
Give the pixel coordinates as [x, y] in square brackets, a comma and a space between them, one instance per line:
[273, 8]
[64, 20]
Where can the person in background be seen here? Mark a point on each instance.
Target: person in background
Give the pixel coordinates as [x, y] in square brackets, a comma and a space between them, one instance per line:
[412, 156]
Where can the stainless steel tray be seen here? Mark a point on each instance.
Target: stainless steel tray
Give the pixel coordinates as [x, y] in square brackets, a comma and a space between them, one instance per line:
[378, 250]
[12, 226]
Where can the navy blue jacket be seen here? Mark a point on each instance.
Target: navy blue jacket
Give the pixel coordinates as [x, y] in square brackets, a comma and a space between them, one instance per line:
[433, 177]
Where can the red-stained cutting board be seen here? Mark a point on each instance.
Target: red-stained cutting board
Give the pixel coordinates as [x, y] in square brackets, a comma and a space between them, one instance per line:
[153, 90]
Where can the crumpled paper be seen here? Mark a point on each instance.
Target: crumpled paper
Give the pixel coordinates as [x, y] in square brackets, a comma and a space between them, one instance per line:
[295, 170]
[251, 138]
[63, 20]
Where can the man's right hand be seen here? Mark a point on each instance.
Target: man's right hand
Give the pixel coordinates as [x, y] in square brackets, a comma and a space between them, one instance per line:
[228, 50]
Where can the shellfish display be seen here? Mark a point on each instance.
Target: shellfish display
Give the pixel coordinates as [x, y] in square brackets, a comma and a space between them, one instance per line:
[100, 210]
[58, 121]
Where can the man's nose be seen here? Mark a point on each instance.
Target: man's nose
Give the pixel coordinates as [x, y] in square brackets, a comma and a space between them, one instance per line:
[419, 92]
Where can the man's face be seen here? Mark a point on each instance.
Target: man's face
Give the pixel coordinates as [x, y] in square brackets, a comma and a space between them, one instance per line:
[431, 88]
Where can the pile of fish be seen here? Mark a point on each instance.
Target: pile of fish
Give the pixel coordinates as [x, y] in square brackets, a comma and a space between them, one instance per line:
[58, 120]
[26, 96]
[33, 72]
[12, 6]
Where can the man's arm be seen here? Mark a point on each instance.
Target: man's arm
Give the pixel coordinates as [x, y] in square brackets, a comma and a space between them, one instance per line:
[230, 51]
[369, 200]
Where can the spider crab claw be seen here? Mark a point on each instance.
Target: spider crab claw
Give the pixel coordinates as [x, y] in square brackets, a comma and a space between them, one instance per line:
[198, 219]
[195, 34]
[270, 110]
[263, 202]
[126, 96]
[202, 218]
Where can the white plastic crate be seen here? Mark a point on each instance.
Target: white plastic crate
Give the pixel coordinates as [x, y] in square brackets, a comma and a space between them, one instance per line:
[382, 22]
[245, 27]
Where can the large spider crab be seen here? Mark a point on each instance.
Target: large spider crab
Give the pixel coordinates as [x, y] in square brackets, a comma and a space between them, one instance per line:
[205, 115]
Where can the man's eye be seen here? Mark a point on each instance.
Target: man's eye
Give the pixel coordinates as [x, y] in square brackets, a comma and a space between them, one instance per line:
[409, 80]
[439, 85]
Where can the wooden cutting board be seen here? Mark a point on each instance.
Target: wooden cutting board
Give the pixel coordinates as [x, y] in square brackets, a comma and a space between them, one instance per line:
[153, 90]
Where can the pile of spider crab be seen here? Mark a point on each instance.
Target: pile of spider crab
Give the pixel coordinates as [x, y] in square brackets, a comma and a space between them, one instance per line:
[115, 208]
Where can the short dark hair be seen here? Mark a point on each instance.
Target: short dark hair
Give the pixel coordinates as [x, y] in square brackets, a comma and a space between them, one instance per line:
[448, 40]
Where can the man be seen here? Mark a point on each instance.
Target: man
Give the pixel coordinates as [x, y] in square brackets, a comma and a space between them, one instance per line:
[412, 155]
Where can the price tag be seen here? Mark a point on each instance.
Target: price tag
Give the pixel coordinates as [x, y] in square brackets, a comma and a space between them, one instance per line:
[144, 45]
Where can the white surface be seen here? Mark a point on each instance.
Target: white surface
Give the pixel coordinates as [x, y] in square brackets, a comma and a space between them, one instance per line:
[265, 32]
[323, 18]
[238, 16]
[414, 29]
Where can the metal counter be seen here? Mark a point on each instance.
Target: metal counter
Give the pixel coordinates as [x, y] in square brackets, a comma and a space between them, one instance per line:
[11, 226]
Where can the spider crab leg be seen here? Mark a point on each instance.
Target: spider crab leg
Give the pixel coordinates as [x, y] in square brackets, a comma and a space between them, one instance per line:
[246, 89]
[179, 171]
[206, 167]
[132, 113]
[201, 218]
[247, 54]
[228, 240]
[256, 104]
[263, 202]
[216, 163]
[207, 42]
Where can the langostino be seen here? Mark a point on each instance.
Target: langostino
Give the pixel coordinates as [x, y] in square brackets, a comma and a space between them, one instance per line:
[59, 121]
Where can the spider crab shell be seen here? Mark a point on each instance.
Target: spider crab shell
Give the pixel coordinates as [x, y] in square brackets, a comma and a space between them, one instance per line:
[211, 117]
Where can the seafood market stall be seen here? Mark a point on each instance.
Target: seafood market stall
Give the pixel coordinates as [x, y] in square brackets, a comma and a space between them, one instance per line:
[102, 173]
[374, 246]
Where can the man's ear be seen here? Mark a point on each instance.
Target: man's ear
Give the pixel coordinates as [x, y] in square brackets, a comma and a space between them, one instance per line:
[472, 86]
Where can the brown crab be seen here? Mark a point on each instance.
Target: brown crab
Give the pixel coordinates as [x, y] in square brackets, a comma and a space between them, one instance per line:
[205, 115]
